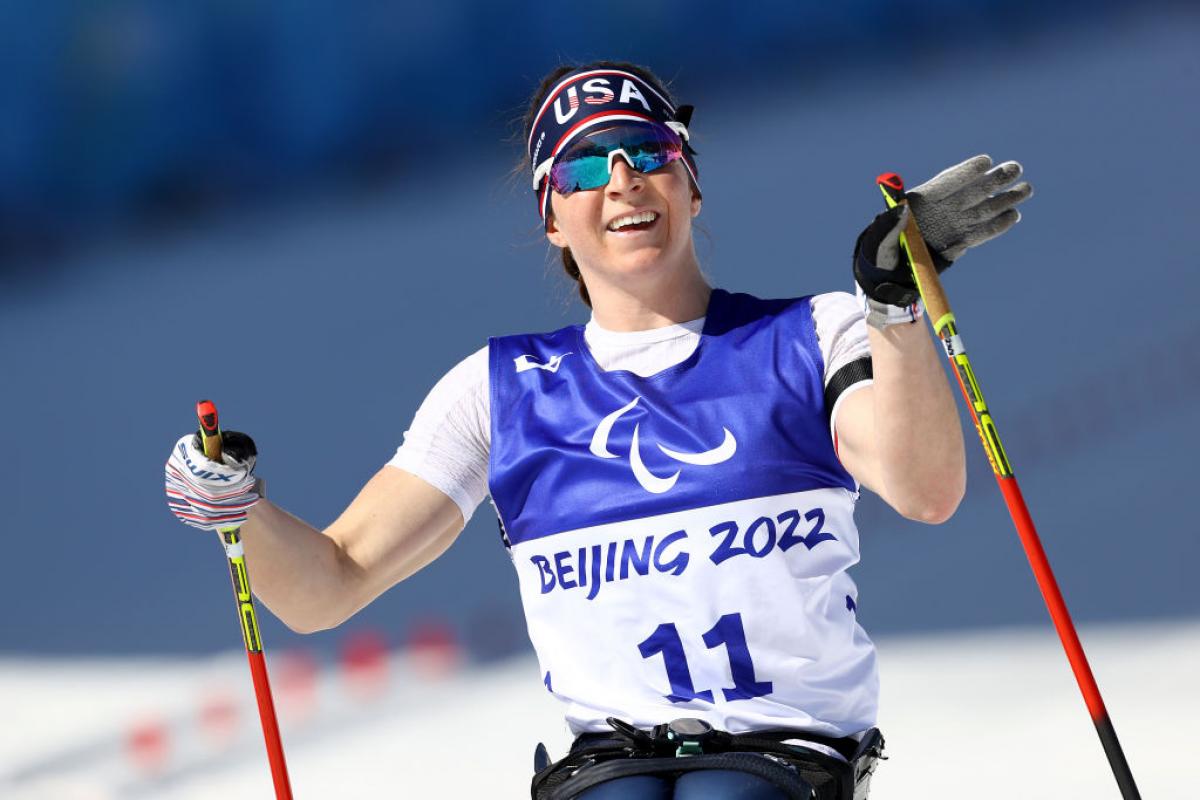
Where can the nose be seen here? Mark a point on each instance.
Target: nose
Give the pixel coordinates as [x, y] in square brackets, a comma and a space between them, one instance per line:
[622, 177]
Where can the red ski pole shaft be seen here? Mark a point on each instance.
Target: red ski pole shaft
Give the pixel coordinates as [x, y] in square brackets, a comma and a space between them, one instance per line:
[946, 328]
[210, 434]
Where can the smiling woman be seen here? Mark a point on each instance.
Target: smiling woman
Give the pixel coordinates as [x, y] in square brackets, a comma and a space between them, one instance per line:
[639, 129]
[675, 479]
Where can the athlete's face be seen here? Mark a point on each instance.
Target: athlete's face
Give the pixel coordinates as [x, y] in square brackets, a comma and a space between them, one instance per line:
[586, 221]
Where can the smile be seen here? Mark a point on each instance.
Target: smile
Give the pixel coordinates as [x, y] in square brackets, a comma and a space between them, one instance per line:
[632, 223]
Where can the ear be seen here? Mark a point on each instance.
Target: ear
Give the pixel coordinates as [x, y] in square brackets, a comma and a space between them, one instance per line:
[555, 236]
[696, 201]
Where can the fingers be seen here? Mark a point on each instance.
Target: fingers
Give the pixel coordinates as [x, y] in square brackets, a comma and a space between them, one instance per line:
[996, 205]
[877, 258]
[954, 179]
[969, 204]
[997, 221]
[952, 254]
[991, 182]
[888, 255]
[881, 240]
[990, 229]
[238, 450]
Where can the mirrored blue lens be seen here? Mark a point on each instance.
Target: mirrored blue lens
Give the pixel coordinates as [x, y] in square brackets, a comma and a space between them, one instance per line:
[584, 165]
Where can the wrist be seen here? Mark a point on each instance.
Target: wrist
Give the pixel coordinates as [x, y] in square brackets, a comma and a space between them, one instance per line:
[258, 508]
[881, 315]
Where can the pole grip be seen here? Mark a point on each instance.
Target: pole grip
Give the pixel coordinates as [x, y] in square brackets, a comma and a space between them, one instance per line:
[937, 306]
[210, 431]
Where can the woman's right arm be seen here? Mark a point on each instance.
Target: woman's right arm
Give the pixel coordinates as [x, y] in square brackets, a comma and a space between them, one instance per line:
[314, 580]
[404, 518]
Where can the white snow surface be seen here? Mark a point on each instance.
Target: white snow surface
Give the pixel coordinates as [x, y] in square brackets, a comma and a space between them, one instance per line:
[990, 714]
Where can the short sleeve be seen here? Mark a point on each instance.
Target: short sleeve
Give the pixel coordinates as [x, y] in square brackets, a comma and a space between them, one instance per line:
[842, 337]
[448, 442]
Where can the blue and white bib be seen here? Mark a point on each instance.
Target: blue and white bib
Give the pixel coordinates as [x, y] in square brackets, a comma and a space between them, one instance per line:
[682, 540]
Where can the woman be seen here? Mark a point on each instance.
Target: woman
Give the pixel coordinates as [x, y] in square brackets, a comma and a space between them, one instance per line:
[675, 480]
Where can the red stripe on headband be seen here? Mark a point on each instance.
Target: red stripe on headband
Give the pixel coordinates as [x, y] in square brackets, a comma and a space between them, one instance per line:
[586, 121]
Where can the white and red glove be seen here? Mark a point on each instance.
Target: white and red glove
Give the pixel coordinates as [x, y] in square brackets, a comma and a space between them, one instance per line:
[208, 495]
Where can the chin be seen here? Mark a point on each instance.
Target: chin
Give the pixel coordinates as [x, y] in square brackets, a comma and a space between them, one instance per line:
[643, 262]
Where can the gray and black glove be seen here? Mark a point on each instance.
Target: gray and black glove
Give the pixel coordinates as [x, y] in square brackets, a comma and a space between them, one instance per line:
[959, 208]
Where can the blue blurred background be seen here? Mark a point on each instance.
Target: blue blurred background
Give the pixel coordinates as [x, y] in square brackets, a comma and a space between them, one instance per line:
[304, 210]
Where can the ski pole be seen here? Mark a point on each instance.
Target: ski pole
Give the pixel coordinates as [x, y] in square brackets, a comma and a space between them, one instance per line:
[210, 434]
[946, 329]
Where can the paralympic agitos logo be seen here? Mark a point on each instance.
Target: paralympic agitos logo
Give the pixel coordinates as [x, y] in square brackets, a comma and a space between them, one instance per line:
[597, 93]
[648, 480]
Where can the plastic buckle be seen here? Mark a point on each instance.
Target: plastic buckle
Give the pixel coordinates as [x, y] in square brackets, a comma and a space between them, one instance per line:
[690, 735]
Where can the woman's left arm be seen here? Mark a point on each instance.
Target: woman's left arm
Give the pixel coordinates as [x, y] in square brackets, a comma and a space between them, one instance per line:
[900, 436]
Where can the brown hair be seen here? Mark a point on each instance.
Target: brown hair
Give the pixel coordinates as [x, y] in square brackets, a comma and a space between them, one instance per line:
[535, 102]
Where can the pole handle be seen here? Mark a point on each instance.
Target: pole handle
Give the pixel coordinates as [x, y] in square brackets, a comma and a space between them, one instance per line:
[210, 431]
[926, 274]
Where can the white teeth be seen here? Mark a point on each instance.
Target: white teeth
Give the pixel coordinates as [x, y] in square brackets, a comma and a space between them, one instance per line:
[632, 219]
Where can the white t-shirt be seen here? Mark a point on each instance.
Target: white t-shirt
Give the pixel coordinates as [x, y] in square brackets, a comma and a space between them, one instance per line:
[448, 442]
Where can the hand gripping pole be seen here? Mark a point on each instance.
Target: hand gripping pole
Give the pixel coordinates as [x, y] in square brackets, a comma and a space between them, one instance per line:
[210, 435]
[946, 329]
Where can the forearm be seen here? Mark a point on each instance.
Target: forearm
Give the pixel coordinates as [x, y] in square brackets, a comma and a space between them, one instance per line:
[314, 580]
[311, 579]
[297, 571]
[919, 458]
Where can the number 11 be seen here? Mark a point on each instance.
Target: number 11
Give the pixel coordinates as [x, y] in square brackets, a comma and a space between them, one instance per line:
[728, 631]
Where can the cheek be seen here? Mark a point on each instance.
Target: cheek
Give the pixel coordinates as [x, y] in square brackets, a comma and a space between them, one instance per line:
[575, 215]
[563, 209]
[676, 187]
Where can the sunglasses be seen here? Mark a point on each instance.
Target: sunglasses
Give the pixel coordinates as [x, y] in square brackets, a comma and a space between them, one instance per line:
[587, 163]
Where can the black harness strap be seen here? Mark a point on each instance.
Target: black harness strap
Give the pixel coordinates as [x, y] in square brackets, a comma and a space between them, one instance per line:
[766, 740]
[799, 771]
[773, 771]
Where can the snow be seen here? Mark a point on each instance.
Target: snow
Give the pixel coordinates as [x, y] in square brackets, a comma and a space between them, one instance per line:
[982, 714]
